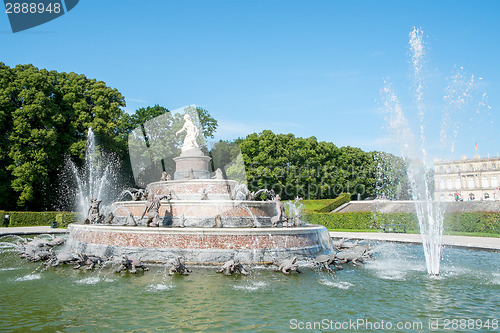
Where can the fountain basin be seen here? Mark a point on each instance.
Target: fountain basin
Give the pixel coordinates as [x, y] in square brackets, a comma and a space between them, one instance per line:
[192, 189]
[201, 213]
[201, 245]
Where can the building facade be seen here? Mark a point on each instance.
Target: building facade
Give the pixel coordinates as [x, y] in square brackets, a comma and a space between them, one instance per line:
[467, 179]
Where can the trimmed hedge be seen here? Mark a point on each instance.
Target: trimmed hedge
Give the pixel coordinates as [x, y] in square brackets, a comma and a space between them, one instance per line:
[26, 219]
[2, 215]
[314, 204]
[65, 218]
[362, 220]
[335, 203]
[487, 222]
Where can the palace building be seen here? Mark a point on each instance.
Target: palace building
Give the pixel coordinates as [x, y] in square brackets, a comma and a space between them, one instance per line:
[467, 179]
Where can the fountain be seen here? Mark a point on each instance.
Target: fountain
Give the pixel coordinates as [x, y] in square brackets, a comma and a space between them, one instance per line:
[202, 219]
[95, 181]
[429, 212]
[213, 219]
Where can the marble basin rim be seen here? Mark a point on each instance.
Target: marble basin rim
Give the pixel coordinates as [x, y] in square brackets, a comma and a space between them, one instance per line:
[202, 245]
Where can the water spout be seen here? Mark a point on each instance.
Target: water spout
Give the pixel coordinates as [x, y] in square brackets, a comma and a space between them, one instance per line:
[96, 178]
[429, 212]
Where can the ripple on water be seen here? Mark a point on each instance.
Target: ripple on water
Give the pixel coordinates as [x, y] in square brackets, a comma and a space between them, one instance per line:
[93, 280]
[252, 286]
[158, 287]
[344, 285]
[29, 277]
[496, 278]
[7, 247]
[9, 269]
[388, 270]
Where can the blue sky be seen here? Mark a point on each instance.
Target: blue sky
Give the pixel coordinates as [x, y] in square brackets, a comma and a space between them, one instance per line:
[312, 68]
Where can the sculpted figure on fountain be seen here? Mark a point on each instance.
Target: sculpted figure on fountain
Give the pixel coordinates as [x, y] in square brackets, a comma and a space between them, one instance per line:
[153, 209]
[93, 215]
[192, 133]
[218, 174]
[165, 176]
[280, 212]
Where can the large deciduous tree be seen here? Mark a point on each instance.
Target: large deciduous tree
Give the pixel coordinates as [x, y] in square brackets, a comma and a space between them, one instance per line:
[310, 169]
[45, 116]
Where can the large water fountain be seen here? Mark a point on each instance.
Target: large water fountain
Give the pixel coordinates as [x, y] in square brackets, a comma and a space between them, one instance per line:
[210, 219]
[415, 142]
[202, 219]
[430, 213]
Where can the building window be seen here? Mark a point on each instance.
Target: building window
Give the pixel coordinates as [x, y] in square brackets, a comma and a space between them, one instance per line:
[493, 166]
[471, 182]
[486, 196]
[449, 183]
[457, 167]
[494, 182]
[484, 166]
[472, 196]
[471, 168]
[441, 184]
[485, 182]
[458, 185]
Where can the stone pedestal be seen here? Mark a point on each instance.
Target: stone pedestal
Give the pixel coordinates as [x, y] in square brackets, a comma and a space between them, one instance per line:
[192, 159]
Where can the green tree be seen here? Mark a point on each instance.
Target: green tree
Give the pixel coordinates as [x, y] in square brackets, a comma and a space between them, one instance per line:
[7, 107]
[46, 116]
[310, 169]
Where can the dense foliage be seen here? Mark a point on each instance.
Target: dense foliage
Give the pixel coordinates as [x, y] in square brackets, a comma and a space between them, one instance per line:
[44, 117]
[306, 168]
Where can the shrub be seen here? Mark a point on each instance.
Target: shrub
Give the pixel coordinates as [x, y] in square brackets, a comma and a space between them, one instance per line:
[314, 205]
[335, 203]
[2, 215]
[484, 222]
[361, 220]
[65, 218]
[25, 219]
[488, 222]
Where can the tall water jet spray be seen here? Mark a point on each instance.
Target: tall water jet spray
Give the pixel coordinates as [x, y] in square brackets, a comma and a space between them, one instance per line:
[96, 178]
[429, 212]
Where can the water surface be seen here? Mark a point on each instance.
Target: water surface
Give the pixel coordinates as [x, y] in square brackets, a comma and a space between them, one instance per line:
[394, 288]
